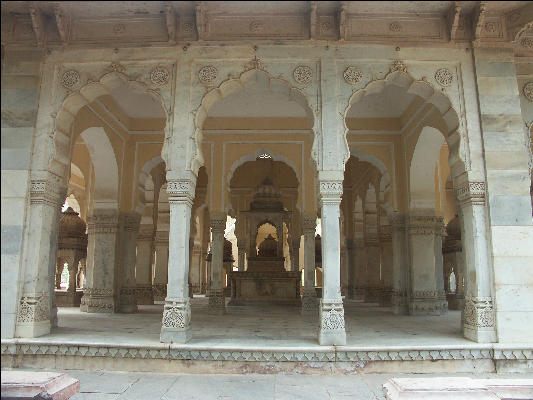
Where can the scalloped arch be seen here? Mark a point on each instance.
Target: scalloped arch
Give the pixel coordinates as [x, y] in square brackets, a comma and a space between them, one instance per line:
[234, 85]
[62, 140]
[141, 181]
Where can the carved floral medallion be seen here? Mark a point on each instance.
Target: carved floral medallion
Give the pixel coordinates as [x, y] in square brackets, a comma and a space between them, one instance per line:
[303, 74]
[70, 79]
[528, 91]
[207, 74]
[444, 77]
[352, 75]
[159, 76]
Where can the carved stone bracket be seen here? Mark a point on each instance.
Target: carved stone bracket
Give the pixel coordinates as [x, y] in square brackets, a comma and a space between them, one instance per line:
[471, 193]
[478, 312]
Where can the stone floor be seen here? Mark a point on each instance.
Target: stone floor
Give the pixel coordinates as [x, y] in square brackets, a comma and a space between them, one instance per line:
[99, 385]
[367, 325]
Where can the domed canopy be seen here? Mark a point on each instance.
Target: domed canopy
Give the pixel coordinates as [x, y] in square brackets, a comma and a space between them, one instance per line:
[267, 197]
[71, 225]
[268, 247]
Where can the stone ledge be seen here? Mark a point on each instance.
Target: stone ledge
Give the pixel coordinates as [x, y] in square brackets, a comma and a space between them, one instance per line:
[29, 384]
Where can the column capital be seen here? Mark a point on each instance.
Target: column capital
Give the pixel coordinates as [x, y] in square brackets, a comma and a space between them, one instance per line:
[471, 193]
[103, 221]
[181, 189]
[146, 232]
[218, 221]
[330, 191]
[161, 238]
[398, 220]
[130, 221]
[426, 225]
[47, 191]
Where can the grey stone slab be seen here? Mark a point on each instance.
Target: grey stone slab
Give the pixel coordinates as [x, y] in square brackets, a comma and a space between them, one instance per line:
[510, 141]
[510, 210]
[149, 387]
[17, 138]
[11, 239]
[500, 122]
[15, 159]
[19, 98]
[16, 117]
[95, 396]
[505, 183]
[498, 104]
[495, 68]
[108, 383]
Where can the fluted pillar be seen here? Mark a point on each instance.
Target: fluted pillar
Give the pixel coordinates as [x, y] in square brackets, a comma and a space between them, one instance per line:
[176, 326]
[332, 331]
[159, 286]
[128, 286]
[103, 230]
[143, 265]
[217, 303]
[309, 299]
[478, 315]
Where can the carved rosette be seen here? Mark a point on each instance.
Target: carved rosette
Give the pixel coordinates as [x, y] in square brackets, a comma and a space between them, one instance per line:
[34, 308]
[444, 77]
[471, 193]
[97, 300]
[177, 314]
[207, 74]
[303, 74]
[395, 27]
[352, 75]
[331, 316]
[478, 312]
[70, 79]
[528, 91]
[159, 76]
[116, 67]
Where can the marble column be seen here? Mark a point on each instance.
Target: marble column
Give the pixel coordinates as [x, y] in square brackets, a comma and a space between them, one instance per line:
[279, 234]
[478, 315]
[373, 262]
[143, 265]
[83, 271]
[241, 246]
[400, 264]
[60, 264]
[36, 310]
[176, 326]
[217, 303]
[128, 286]
[72, 274]
[159, 286]
[99, 295]
[427, 295]
[295, 254]
[385, 241]
[350, 261]
[331, 331]
[359, 252]
[309, 299]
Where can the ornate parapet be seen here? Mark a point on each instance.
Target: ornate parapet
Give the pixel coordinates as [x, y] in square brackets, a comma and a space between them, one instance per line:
[97, 300]
[176, 324]
[471, 193]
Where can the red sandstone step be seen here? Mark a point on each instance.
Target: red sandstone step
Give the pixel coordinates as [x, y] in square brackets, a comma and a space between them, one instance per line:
[18, 385]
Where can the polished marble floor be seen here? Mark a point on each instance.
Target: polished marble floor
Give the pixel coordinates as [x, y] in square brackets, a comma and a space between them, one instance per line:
[367, 325]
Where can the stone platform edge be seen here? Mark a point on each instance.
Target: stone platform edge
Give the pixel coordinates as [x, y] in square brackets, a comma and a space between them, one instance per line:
[495, 351]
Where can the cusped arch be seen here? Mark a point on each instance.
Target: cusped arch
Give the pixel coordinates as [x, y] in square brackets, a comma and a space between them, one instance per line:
[144, 174]
[424, 90]
[62, 140]
[234, 85]
[384, 182]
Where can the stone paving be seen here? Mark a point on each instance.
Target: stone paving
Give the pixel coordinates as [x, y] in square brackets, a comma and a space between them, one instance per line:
[366, 325]
[100, 385]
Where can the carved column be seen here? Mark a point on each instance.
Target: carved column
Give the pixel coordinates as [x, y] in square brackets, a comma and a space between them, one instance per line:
[359, 255]
[400, 264]
[103, 228]
[159, 286]
[309, 299]
[385, 241]
[427, 295]
[143, 265]
[241, 246]
[36, 310]
[176, 326]
[478, 314]
[72, 272]
[331, 308]
[217, 303]
[295, 254]
[373, 254]
[59, 270]
[128, 286]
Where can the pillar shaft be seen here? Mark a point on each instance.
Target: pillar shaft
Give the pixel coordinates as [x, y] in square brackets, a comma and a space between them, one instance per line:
[176, 326]
[128, 286]
[143, 266]
[332, 330]
[309, 299]
[241, 246]
[400, 264]
[216, 292]
[161, 266]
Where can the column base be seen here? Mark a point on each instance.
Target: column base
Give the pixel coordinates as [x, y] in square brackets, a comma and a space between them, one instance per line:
[31, 330]
[97, 301]
[144, 295]
[400, 303]
[127, 303]
[176, 325]
[480, 334]
[359, 293]
[309, 303]
[159, 291]
[33, 318]
[372, 294]
[385, 299]
[427, 303]
[217, 302]
[331, 331]
[479, 320]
